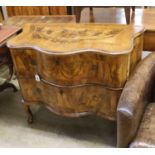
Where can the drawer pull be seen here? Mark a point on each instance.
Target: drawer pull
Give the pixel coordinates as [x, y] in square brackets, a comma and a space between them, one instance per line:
[37, 77]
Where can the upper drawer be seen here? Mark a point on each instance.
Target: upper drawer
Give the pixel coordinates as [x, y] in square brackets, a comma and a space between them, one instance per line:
[72, 70]
[85, 68]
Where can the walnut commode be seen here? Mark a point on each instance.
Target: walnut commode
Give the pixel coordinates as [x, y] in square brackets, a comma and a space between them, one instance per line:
[75, 69]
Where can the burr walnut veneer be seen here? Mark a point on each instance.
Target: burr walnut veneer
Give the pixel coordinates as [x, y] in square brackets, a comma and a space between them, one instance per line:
[75, 69]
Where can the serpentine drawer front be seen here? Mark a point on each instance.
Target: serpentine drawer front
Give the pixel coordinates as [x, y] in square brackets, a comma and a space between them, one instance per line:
[76, 69]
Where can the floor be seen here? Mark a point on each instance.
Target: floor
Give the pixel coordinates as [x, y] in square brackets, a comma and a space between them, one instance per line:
[50, 130]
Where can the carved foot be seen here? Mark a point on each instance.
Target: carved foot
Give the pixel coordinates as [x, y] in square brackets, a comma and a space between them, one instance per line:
[29, 114]
[8, 85]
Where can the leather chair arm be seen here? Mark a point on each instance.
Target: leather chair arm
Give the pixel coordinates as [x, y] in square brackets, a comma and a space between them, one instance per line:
[136, 94]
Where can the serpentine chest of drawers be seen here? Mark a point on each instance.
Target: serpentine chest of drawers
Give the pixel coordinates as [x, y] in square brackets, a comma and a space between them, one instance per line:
[75, 69]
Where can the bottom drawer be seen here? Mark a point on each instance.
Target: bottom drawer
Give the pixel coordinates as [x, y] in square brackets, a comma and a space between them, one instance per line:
[72, 101]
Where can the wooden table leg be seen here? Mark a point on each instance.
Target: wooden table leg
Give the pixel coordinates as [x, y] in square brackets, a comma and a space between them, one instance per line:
[77, 13]
[28, 112]
[92, 20]
[127, 14]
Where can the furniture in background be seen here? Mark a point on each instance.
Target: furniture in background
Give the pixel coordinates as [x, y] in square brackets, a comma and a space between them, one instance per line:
[147, 19]
[20, 21]
[6, 32]
[127, 9]
[136, 110]
[148, 22]
[57, 10]
[1, 15]
[75, 69]
[37, 10]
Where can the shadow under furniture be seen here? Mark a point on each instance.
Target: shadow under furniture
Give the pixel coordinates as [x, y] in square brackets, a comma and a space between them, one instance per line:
[136, 108]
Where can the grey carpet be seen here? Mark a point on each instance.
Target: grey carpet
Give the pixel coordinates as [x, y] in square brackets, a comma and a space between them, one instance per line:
[48, 129]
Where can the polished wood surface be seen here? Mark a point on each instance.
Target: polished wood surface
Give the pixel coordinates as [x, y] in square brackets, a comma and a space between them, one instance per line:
[71, 102]
[22, 20]
[146, 18]
[58, 10]
[6, 32]
[77, 38]
[148, 21]
[142, 17]
[67, 69]
[36, 10]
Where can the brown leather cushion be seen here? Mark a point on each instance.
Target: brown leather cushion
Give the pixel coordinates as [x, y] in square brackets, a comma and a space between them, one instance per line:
[146, 133]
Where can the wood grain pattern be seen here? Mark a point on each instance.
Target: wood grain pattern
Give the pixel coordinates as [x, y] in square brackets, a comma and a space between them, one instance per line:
[73, 38]
[75, 83]
[85, 68]
[71, 102]
[149, 41]
[147, 19]
[22, 20]
[58, 10]
[36, 10]
[136, 53]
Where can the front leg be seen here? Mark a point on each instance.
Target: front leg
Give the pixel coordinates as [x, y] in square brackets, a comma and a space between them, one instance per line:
[28, 112]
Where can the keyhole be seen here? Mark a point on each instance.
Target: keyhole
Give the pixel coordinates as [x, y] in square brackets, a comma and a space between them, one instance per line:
[61, 91]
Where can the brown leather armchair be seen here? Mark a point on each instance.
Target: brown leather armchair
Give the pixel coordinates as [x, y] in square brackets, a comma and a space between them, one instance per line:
[137, 93]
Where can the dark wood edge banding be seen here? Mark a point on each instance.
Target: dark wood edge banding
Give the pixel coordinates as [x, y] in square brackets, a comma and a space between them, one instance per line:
[80, 85]
[88, 50]
[73, 86]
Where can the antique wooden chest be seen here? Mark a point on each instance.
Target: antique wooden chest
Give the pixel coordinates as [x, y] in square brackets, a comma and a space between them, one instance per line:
[75, 69]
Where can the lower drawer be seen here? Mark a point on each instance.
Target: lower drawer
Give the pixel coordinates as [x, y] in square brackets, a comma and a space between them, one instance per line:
[72, 101]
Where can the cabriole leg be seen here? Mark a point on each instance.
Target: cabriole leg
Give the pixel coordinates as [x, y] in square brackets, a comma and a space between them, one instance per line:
[28, 112]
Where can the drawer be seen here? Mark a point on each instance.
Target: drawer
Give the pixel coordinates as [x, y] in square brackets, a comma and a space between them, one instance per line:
[67, 70]
[72, 102]
[85, 68]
